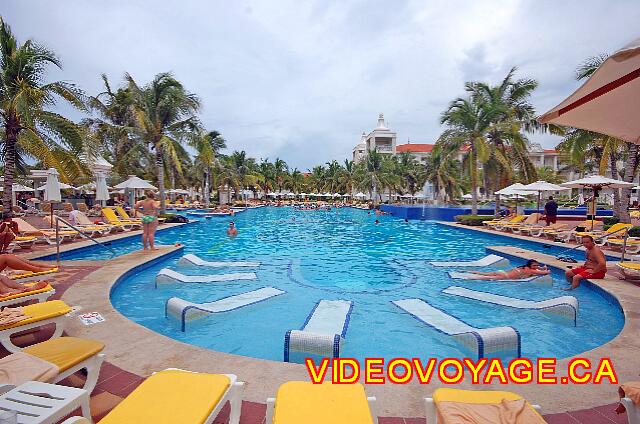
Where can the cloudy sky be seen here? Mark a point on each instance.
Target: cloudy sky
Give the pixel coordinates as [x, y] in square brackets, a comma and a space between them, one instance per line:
[301, 80]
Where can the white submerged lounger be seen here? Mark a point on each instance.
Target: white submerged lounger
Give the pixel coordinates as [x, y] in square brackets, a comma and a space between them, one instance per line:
[169, 276]
[489, 260]
[185, 311]
[564, 306]
[324, 331]
[193, 260]
[484, 341]
[542, 279]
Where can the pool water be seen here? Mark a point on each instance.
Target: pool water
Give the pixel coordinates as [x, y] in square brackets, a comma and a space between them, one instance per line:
[343, 254]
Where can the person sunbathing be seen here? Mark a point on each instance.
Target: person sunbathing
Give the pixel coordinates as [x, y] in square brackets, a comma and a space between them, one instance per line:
[9, 287]
[529, 269]
[9, 260]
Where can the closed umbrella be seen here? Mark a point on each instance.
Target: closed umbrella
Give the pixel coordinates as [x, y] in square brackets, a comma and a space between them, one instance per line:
[102, 191]
[596, 183]
[52, 190]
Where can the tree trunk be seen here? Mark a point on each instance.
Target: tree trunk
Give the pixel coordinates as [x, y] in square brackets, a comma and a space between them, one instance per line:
[473, 174]
[11, 135]
[160, 169]
[629, 175]
[616, 192]
[207, 195]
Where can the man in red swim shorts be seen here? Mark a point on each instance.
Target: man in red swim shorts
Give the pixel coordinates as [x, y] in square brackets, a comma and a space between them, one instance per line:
[595, 266]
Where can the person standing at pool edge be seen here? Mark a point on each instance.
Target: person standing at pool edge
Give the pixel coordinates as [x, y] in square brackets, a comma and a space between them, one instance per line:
[595, 266]
[551, 211]
[232, 231]
[149, 208]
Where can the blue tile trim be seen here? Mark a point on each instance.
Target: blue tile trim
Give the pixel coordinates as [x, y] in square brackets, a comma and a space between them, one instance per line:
[287, 342]
[145, 265]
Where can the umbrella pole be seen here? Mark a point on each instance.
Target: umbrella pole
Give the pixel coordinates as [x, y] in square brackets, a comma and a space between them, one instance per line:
[593, 210]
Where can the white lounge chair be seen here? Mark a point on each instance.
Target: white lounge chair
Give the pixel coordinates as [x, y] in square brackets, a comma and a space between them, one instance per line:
[483, 341]
[564, 306]
[169, 276]
[489, 260]
[193, 260]
[39, 295]
[542, 279]
[323, 332]
[38, 314]
[185, 311]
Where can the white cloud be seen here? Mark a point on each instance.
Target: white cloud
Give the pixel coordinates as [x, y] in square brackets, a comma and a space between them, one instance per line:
[302, 80]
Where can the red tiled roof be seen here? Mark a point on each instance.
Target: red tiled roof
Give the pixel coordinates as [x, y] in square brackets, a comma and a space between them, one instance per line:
[550, 151]
[415, 148]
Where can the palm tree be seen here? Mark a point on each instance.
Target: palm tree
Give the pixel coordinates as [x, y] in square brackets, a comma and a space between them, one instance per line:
[348, 176]
[265, 174]
[207, 146]
[316, 179]
[443, 172]
[372, 175]
[281, 171]
[296, 181]
[31, 131]
[163, 110]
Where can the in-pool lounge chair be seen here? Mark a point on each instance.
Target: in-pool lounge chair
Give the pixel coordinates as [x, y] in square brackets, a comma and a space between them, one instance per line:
[65, 355]
[46, 234]
[480, 406]
[112, 219]
[177, 397]
[298, 402]
[40, 295]
[38, 314]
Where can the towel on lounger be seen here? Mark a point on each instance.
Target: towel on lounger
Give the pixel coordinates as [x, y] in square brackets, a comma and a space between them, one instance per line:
[20, 367]
[631, 390]
[506, 412]
[11, 315]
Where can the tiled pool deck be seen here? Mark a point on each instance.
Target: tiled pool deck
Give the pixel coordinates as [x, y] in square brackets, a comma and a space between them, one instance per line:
[129, 357]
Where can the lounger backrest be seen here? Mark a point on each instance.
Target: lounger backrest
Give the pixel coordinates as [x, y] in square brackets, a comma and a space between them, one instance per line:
[68, 207]
[123, 214]
[617, 228]
[83, 219]
[82, 207]
[24, 226]
[518, 218]
[532, 219]
[110, 215]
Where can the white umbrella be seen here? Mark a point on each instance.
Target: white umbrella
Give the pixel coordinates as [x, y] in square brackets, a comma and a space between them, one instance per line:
[337, 195]
[102, 192]
[52, 188]
[18, 187]
[541, 186]
[134, 182]
[63, 186]
[513, 189]
[596, 183]
[360, 194]
[608, 102]
[302, 194]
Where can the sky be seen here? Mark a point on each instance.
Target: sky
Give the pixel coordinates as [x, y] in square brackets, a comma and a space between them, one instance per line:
[301, 80]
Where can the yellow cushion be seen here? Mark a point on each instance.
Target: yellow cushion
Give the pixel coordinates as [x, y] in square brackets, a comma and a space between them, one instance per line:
[29, 293]
[32, 274]
[65, 352]
[621, 241]
[25, 238]
[616, 228]
[40, 312]
[302, 402]
[630, 265]
[111, 216]
[171, 397]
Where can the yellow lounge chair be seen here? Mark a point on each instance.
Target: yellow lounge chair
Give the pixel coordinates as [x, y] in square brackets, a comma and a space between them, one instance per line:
[177, 397]
[630, 270]
[40, 295]
[38, 314]
[46, 234]
[123, 215]
[632, 245]
[27, 276]
[464, 401]
[514, 220]
[303, 402]
[616, 230]
[111, 217]
[530, 222]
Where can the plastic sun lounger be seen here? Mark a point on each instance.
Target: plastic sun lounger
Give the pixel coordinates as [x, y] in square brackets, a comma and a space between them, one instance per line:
[69, 355]
[169, 276]
[186, 311]
[323, 332]
[476, 397]
[489, 260]
[483, 341]
[190, 259]
[31, 276]
[303, 402]
[40, 295]
[111, 217]
[632, 244]
[564, 306]
[542, 279]
[47, 234]
[176, 396]
[38, 314]
[630, 270]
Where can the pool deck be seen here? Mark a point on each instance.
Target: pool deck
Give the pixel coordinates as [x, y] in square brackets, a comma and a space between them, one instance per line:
[139, 351]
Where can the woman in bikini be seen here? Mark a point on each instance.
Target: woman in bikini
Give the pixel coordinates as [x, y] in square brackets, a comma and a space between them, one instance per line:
[530, 269]
[149, 208]
[9, 286]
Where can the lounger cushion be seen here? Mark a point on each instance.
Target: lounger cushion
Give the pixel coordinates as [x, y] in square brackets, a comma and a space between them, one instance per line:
[302, 402]
[65, 352]
[171, 397]
[32, 274]
[29, 293]
[40, 312]
[630, 265]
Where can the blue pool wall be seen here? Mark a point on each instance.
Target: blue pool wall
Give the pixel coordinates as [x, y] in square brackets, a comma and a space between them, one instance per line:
[449, 213]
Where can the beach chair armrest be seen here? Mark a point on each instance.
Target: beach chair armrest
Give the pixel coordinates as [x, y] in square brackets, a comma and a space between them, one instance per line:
[430, 409]
[372, 408]
[270, 405]
[76, 420]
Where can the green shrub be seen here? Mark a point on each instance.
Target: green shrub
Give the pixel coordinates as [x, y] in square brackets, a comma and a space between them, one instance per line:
[475, 220]
[610, 220]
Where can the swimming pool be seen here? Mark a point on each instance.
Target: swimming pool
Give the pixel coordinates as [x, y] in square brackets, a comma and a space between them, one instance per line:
[342, 254]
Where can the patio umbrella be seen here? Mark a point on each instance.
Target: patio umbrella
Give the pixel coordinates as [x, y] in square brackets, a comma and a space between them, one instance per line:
[541, 186]
[102, 192]
[608, 102]
[360, 195]
[133, 183]
[515, 189]
[18, 187]
[52, 190]
[62, 186]
[337, 195]
[596, 183]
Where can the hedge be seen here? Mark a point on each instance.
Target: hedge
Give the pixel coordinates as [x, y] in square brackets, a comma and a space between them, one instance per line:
[475, 220]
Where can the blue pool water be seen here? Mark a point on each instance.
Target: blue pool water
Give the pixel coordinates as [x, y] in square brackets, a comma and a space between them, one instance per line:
[342, 254]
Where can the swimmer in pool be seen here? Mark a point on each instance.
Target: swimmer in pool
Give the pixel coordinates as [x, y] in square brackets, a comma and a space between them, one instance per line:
[530, 269]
